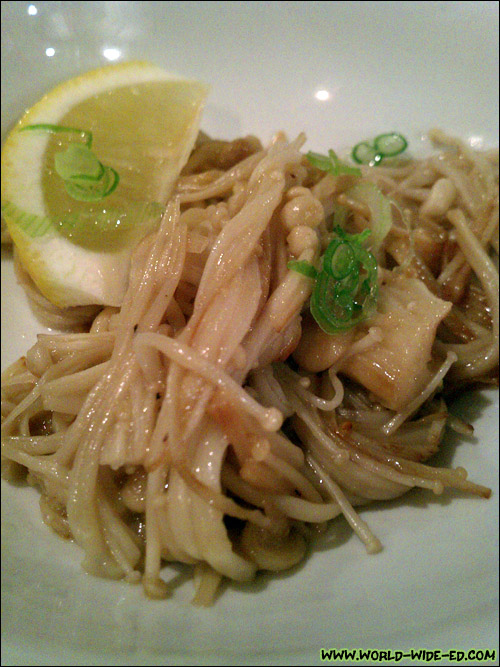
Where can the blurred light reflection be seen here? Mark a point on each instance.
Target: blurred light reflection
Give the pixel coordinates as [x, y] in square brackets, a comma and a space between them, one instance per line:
[476, 142]
[322, 95]
[111, 54]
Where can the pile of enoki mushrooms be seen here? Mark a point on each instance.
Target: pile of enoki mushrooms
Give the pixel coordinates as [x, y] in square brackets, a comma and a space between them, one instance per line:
[211, 420]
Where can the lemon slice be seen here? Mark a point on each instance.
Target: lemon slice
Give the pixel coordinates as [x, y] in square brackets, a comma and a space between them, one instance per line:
[87, 172]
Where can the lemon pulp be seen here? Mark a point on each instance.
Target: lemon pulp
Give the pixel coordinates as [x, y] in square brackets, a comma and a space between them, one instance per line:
[144, 123]
[130, 130]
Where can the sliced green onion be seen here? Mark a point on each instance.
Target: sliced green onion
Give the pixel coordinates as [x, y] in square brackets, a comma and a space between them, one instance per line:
[339, 260]
[82, 189]
[331, 316]
[332, 164]
[365, 153]
[85, 177]
[379, 205]
[86, 135]
[320, 161]
[390, 144]
[32, 225]
[385, 145]
[346, 289]
[302, 267]
[79, 162]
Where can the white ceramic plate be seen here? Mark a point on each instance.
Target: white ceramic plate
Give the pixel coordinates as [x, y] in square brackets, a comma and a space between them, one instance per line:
[382, 66]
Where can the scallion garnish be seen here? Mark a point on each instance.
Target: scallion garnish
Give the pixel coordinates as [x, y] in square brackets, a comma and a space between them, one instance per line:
[385, 145]
[302, 267]
[365, 153]
[89, 167]
[85, 177]
[346, 287]
[390, 144]
[85, 135]
[83, 189]
[367, 193]
[332, 164]
[346, 290]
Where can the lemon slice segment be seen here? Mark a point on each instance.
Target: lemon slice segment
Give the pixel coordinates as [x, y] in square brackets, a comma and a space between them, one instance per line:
[142, 123]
